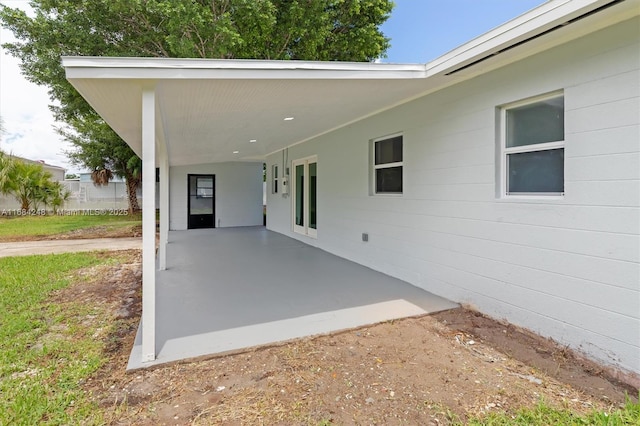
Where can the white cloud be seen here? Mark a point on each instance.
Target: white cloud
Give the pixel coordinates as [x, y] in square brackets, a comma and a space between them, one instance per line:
[29, 125]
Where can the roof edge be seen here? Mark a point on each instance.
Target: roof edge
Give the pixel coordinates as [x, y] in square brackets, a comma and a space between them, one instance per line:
[551, 15]
[38, 162]
[85, 66]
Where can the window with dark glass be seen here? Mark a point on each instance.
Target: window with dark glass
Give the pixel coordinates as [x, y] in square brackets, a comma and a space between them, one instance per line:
[534, 147]
[387, 165]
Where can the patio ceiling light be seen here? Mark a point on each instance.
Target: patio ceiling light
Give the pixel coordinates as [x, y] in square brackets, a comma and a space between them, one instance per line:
[236, 152]
[253, 140]
[288, 118]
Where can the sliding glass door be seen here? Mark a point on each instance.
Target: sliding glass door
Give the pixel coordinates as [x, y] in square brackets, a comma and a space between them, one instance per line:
[305, 202]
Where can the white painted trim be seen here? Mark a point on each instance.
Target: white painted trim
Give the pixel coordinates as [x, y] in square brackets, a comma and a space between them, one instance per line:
[302, 230]
[373, 166]
[245, 64]
[188, 65]
[148, 225]
[172, 68]
[504, 151]
[549, 15]
[164, 209]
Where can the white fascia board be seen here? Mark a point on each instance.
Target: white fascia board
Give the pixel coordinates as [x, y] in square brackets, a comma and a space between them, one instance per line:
[544, 17]
[171, 68]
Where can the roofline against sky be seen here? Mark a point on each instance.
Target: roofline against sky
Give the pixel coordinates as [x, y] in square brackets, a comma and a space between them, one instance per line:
[542, 18]
[507, 31]
[256, 64]
[40, 162]
[176, 68]
[550, 15]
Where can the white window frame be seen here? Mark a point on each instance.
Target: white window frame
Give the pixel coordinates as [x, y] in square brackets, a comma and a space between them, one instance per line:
[505, 151]
[305, 229]
[373, 190]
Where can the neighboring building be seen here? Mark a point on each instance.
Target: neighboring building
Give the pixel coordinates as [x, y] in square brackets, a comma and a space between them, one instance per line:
[504, 174]
[57, 172]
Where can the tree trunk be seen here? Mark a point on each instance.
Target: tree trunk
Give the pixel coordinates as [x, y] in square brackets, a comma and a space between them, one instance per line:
[132, 189]
[25, 203]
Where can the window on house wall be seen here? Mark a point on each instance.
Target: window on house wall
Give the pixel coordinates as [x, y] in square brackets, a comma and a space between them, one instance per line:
[533, 146]
[274, 179]
[387, 165]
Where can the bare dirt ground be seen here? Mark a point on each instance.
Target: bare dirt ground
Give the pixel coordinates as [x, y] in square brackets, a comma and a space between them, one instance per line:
[427, 370]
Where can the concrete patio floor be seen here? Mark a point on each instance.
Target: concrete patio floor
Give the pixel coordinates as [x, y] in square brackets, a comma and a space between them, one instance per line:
[227, 289]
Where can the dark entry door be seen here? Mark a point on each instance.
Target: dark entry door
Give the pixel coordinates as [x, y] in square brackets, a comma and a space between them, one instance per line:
[201, 204]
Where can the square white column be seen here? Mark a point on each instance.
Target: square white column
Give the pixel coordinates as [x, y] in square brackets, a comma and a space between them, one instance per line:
[148, 225]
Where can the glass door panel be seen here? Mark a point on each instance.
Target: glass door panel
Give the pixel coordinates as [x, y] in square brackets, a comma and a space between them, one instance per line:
[201, 195]
[299, 197]
[201, 201]
[305, 204]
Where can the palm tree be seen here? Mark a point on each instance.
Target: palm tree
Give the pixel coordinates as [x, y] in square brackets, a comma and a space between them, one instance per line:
[101, 177]
[58, 194]
[6, 169]
[28, 182]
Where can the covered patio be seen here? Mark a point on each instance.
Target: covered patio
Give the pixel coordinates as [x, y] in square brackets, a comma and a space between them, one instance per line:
[227, 289]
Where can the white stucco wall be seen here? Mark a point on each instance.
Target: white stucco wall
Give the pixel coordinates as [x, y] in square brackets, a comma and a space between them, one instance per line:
[568, 267]
[238, 193]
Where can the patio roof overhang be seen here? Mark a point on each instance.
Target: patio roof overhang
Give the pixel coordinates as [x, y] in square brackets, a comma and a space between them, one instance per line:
[207, 109]
[193, 111]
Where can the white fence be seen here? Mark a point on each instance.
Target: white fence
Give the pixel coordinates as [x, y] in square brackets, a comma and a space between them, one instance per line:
[85, 195]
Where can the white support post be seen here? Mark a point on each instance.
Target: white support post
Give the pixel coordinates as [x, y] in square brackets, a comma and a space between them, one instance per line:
[148, 225]
[164, 208]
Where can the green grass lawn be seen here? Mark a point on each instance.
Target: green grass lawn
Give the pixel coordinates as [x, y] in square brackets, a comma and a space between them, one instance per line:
[543, 414]
[46, 349]
[15, 226]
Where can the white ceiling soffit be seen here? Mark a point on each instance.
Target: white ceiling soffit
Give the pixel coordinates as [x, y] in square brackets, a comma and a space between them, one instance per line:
[207, 109]
[205, 120]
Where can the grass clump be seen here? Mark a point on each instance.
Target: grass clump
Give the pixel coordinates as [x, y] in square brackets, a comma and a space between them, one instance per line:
[543, 414]
[45, 351]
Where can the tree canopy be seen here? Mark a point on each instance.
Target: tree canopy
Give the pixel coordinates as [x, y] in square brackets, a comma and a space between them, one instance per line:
[328, 30]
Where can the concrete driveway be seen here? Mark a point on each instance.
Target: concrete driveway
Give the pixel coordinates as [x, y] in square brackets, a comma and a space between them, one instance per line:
[26, 248]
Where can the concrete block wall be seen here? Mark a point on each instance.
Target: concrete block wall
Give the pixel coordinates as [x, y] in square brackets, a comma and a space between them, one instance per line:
[238, 193]
[565, 267]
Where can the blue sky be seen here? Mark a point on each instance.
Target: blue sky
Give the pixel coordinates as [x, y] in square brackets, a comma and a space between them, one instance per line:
[420, 31]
